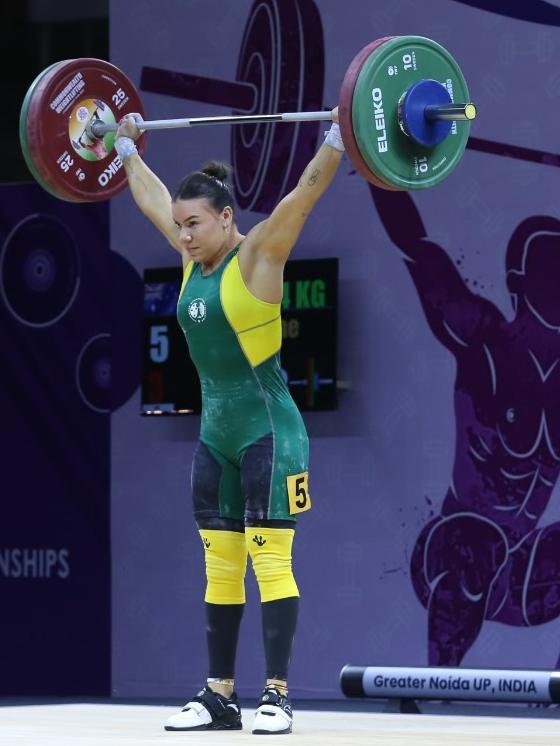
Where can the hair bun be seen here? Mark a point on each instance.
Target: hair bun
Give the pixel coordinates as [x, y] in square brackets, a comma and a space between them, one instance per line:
[216, 169]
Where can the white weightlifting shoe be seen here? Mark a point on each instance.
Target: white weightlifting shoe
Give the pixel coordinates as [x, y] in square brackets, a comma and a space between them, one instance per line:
[274, 713]
[207, 711]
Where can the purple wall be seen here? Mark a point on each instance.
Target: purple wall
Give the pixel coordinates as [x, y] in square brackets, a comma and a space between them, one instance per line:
[67, 304]
[382, 466]
[55, 398]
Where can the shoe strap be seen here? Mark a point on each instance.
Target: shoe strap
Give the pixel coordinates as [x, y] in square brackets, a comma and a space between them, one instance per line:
[214, 702]
[271, 696]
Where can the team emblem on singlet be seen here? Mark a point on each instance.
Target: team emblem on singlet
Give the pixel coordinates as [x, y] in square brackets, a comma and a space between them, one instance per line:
[197, 310]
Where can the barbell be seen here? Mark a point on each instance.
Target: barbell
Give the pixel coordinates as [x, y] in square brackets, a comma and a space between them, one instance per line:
[404, 113]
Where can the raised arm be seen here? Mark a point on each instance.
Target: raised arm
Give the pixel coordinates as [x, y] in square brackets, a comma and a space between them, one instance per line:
[275, 237]
[149, 193]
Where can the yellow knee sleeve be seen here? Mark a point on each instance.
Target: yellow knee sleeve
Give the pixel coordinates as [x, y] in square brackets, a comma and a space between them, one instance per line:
[226, 561]
[271, 553]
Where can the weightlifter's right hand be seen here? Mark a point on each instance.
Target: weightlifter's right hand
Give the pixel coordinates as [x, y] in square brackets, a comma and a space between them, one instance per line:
[130, 126]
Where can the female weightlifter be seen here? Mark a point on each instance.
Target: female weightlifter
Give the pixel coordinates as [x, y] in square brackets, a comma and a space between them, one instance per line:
[250, 468]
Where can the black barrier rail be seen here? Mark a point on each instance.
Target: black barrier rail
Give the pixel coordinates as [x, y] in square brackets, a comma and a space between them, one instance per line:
[437, 682]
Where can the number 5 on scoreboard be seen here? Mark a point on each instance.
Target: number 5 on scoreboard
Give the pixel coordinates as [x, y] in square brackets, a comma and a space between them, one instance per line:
[159, 343]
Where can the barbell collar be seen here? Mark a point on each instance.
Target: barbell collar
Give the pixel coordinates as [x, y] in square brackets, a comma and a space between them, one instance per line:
[100, 128]
[450, 112]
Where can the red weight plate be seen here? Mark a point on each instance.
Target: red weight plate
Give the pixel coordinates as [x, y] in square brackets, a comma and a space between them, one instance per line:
[73, 164]
[23, 131]
[27, 125]
[345, 113]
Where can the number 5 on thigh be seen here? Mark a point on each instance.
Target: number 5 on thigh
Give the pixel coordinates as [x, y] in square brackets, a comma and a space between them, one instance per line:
[298, 493]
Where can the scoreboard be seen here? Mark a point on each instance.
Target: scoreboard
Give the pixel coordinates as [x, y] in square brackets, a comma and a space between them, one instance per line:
[309, 340]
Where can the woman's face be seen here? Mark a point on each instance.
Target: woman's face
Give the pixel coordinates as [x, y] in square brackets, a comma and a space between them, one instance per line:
[202, 231]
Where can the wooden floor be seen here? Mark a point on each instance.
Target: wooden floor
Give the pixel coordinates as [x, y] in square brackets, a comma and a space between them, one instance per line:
[141, 725]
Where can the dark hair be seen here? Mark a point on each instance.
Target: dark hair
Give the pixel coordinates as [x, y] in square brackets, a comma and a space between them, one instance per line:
[210, 182]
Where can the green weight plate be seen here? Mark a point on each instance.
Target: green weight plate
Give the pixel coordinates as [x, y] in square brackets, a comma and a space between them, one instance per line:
[23, 130]
[391, 69]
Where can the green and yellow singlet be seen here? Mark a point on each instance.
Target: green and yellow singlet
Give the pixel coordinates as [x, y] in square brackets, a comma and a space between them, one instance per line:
[250, 423]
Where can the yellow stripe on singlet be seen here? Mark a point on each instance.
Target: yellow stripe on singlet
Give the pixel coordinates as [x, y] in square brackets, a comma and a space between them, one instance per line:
[186, 274]
[257, 323]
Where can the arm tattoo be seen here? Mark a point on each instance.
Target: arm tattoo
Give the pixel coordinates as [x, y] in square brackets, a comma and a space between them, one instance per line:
[312, 180]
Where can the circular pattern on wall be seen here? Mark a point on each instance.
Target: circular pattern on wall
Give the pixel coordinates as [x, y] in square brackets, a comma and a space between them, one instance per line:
[39, 270]
[93, 373]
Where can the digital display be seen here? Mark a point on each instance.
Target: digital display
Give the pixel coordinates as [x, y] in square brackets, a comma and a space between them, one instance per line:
[170, 382]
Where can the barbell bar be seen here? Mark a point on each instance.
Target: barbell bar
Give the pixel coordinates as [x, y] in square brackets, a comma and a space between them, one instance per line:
[450, 112]
[99, 129]
[465, 112]
[72, 110]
